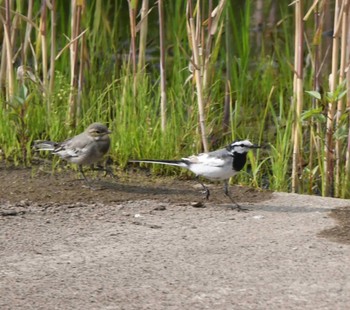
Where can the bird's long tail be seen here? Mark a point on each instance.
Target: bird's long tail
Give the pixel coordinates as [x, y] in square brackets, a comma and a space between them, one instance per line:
[179, 163]
[44, 145]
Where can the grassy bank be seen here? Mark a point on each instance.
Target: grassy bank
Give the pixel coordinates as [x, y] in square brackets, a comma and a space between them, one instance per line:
[222, 61]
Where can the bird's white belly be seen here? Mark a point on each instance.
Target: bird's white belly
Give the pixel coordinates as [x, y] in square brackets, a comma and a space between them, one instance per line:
[212, 172]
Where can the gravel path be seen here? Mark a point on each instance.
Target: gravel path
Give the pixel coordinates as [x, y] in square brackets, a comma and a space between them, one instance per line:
[151, 254]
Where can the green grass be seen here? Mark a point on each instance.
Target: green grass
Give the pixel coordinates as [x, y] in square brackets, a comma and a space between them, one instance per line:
[261, 87]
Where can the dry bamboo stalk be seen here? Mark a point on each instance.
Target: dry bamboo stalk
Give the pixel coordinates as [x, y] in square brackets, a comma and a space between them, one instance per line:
[3, 72]
[340, 104]
[347, 162]
[199, 32]
[43, 32]
[53, 46]
[198, 77]
[213, 26]
[3, 63]
[80, 76]
[132, 17]
[29, 28]
[14, 31]
[162, 65]
[68, 45]
[75, 25]
[71, 100]
[9, 52]
[313, 6]
[298, 93]
[314, 142]
[143, 35]
[198, 25]
[228, 97]
[258, 17]
[329, 145]
[272, 18]
[207, 46]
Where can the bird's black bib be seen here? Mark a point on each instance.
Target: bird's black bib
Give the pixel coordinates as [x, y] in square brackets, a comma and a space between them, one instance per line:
[239, 160]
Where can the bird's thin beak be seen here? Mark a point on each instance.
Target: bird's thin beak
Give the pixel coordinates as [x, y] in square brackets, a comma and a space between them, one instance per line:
[255, 146]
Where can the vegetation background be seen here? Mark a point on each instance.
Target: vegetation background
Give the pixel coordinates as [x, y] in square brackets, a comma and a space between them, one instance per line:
[172, 78]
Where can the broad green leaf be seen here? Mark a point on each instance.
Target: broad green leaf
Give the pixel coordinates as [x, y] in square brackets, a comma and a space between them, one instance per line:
[314, 94]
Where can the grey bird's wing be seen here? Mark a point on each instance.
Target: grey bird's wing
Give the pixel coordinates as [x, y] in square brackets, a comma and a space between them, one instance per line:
[74, 147]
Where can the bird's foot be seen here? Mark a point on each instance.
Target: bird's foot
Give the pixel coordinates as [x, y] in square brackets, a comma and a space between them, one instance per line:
[107, 171]
[206, 193]
[93, 188]
[111, 174]
[238, 208]
[88, 185]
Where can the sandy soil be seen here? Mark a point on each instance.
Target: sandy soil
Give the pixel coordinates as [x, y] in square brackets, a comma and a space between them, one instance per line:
[143, 243]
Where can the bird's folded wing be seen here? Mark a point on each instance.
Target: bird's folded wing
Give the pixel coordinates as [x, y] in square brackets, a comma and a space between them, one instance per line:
[206, 160]
[67, 152]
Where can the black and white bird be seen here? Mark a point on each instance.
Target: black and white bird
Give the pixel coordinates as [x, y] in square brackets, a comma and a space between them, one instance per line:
[218, 165]
[87, 148]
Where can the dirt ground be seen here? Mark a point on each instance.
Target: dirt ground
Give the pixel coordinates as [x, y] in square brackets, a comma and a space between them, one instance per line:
[142, 242]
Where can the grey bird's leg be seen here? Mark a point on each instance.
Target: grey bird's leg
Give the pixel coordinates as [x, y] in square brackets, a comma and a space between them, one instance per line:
[106, 169]
[237, 206]
[85, 179]
[206, 189]
[82, 173]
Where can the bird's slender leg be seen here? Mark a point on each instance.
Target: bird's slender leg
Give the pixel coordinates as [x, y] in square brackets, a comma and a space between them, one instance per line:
[237, 206]
[206, 189]
[106, 169]
[82, 173]
[86, 180]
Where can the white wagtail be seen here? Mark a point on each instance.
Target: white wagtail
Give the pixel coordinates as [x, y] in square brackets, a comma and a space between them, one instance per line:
[87, 148]
[217, 165]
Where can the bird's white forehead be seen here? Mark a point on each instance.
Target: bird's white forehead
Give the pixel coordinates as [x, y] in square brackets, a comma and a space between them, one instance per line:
[242, 143]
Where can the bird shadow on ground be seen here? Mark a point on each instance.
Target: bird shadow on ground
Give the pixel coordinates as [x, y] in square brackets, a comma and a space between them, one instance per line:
[32, 184]
[26, 185]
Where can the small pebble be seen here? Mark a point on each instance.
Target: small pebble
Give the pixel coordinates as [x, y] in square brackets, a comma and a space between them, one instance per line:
[159, 208]
[258, 217]
[198, 204]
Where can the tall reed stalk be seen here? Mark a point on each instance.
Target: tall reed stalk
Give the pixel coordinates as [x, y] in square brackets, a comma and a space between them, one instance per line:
[77, 7]
[339, 162]
[347, 159]
[9, 53]
[192, 32]
[29, 26]
[328, 188]
[162, 65]
[298, 94]
[132, 19]
[44, 53]
[53, 46]
[143, 35]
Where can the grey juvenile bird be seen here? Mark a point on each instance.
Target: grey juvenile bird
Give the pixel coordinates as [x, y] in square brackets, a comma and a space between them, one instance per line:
[217, 165]
[87, 148]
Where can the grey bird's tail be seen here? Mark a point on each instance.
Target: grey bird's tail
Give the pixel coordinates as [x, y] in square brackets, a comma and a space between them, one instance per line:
[179, 163]
[40, 145]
